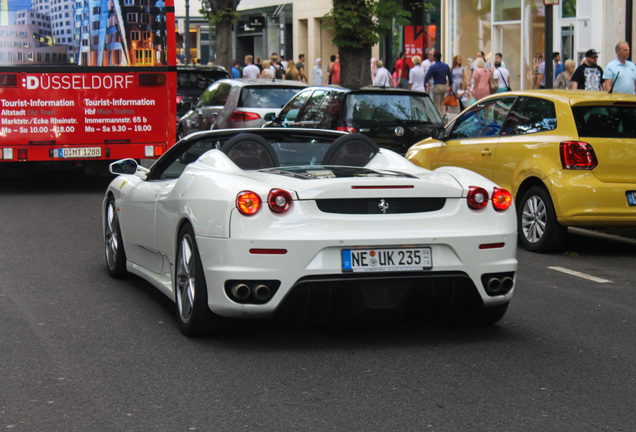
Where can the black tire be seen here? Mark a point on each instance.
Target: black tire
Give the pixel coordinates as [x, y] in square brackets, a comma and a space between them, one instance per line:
[113, 243]
[537, 225]
[191, 295]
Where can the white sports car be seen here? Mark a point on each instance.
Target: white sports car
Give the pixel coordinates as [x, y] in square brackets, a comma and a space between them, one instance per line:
[311, 224]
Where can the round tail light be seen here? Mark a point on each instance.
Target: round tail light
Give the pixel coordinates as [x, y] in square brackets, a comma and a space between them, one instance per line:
[501, 199]
[248, 203]
[477, 197]
[279, 200]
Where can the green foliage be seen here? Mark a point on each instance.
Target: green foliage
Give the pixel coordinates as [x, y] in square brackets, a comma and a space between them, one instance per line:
[216, 11]
[361, 23]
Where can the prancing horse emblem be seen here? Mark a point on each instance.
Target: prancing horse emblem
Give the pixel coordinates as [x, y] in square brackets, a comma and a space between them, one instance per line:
[399, 131]
[383, 206]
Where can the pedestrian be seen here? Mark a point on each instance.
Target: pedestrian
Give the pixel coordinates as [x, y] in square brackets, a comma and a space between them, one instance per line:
[374, 68]
[620, 73]
[268, 72]
[442, 80]
[558, 66]
[501, 75]
[383, 77]
[589, 75]
[457, 71]
[300, 65]
[250, 70]
[402, 71]
[316, 73]
[329, 68]
[564, 79]
[279, 72]
[334, 70]
[482, 78]
[292, 73]
[259, 64]
[236, 71]
[282, 62]
[416, 74]
[540, 84]
[430, 60]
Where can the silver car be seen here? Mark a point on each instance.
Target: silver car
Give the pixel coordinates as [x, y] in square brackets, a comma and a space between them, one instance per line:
[237, 103]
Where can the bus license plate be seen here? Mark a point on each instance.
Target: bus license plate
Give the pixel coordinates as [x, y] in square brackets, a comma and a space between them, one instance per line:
[80, 152]
[631, 198]
[385, 260]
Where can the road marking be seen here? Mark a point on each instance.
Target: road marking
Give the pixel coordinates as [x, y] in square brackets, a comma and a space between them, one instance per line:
[581, 275]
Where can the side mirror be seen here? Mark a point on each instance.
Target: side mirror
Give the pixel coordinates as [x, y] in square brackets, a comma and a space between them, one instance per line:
[438, 133]
[270, 116]
[124, 166]
[128, 166]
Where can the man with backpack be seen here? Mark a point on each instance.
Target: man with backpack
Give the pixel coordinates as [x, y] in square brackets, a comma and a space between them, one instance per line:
[279, 72]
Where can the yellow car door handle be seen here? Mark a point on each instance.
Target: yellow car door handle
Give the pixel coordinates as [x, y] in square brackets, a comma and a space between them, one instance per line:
[486, 152]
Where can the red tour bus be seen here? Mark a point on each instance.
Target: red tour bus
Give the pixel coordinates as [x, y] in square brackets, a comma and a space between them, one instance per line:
[86, 80]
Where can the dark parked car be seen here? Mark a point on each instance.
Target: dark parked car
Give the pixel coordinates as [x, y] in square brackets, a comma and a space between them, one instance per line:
[192, 81]
[237, 103]
[393, 118]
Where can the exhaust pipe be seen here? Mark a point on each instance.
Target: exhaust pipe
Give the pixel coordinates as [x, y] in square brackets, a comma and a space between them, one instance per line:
[241, 291]
[507, 283]
[494, 285]
[262, 292]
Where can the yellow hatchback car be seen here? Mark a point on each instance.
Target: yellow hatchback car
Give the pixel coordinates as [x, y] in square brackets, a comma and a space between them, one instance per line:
[567, 156]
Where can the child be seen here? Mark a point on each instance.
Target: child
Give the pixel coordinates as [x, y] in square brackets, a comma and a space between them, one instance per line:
[463, 94]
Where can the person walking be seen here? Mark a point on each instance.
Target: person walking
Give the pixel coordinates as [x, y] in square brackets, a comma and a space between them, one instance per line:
[250, 70]
[316, 73]
[564, 79]
[374, 68]
[482, 78]
[501, 75]
[442, 79]
[292, 73]
[300, 65]
[430, 60]
[416, 74]
[401, 70]
[279, 71]
[589, 75]
[268, 72]
[620, 73]
[383, 77]
[457, 72]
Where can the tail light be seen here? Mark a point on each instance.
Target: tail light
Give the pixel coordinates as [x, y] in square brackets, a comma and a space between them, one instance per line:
[349, 129]
[501, 199]
[279, 200]
[477, 197]
[243, 116]
[576, 155]
[248, 203]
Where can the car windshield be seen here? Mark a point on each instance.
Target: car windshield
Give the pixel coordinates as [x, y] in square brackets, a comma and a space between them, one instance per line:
[266, 97]
[193, 82]
[605, 121]
[389, 108]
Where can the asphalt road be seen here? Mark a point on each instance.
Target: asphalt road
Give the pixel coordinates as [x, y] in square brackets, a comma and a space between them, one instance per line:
[82, 352]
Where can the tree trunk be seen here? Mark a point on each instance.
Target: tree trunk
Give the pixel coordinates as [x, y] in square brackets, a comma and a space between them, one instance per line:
[224, 45]
[355, 67]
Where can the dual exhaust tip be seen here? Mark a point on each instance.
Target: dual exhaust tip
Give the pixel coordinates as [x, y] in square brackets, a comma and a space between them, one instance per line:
[251, 292]
[498, 284]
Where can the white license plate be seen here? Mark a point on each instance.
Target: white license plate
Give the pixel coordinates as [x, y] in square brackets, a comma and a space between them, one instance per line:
[631, 198]
[384, 260]
[80, 152]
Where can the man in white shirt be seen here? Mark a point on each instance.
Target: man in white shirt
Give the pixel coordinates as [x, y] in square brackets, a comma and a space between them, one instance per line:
[430, 60]
[250, 70]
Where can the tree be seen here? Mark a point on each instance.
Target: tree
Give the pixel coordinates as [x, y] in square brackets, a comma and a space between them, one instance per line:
[223, 15]
[356, 26]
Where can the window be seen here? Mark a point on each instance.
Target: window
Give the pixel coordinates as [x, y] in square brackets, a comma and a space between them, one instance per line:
[290, 112]
[530, 115]
[221, 94]
[605, 121]
[314, 111]
[483, 121]
[266, 97]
